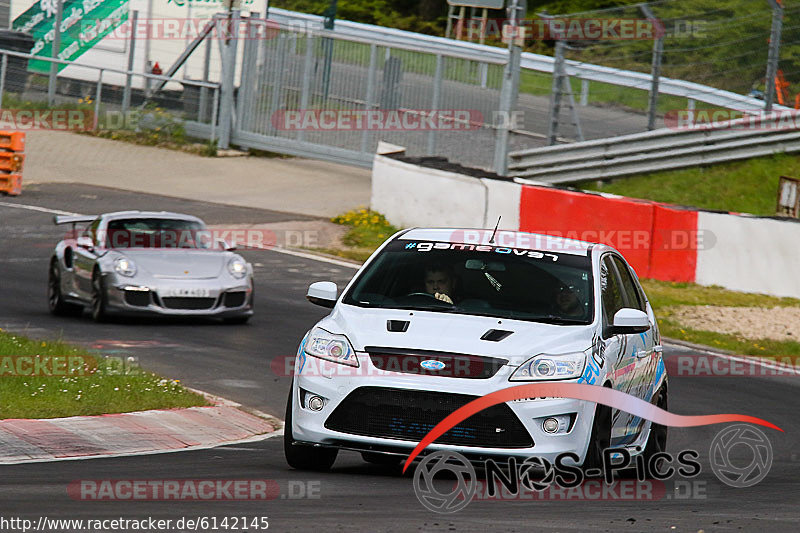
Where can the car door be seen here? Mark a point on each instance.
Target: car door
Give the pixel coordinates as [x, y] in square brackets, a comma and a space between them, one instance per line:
[646, 346]
[639, 345]
[622, 363]
[84, 261]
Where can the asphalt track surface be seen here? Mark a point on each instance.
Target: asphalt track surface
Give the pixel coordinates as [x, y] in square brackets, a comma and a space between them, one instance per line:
[234, 361]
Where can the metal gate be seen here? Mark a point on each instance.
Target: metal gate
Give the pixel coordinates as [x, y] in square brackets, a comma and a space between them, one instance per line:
[310, 93]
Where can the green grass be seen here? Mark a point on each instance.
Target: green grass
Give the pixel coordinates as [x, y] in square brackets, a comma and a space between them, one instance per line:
[80, 383]
[664, 296]
[746, 186]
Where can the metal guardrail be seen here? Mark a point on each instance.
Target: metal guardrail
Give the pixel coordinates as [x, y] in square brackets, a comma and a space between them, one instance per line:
[654, 151]
[537, 62]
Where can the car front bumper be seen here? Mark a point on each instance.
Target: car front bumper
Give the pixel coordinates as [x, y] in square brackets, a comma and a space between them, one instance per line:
[175, 297]
[325, 380]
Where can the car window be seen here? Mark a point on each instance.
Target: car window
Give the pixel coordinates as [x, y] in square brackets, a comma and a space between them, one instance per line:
[479, 280]
[157, 233]
[611, 290]
[91, 231]
[629, 285]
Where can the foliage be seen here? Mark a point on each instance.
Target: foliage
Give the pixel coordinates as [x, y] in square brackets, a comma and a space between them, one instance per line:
[744, 186]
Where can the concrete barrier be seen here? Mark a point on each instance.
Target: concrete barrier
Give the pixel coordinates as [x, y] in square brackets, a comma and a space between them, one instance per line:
[749, 254]
[412, 195]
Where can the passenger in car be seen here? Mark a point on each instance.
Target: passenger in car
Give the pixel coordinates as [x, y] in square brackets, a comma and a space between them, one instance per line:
[568, 301]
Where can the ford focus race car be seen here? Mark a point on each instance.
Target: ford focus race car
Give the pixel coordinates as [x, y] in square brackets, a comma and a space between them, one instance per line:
[439, 317]
[147, 263]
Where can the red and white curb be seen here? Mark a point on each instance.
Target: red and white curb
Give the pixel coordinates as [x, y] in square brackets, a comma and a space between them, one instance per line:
[139, 433]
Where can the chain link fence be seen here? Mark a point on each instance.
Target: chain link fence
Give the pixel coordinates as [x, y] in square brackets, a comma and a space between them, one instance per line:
[721, 45]
[319, 92]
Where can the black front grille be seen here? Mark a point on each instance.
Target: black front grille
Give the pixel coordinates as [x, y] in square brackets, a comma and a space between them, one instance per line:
[411, 414]
[188, 303]
[138, 298]
[455, 365]
[234, 299]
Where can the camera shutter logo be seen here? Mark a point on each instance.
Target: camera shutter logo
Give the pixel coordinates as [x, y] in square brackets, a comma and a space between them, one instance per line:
[466, 482]
[739, 436]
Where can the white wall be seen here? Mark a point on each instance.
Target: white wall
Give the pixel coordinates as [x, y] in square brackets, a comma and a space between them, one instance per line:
[750, 254]
[410, 195]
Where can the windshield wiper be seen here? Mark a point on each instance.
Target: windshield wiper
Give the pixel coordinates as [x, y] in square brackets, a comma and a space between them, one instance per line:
[433, 307]
[561, 320]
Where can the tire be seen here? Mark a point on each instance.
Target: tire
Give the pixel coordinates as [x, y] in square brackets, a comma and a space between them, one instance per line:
[55, 299]
[303, 457]
[657, 440]
[382, 459]
[99, 298]
[600, 438]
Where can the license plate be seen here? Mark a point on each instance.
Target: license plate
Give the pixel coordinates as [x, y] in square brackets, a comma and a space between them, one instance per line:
[191, 292]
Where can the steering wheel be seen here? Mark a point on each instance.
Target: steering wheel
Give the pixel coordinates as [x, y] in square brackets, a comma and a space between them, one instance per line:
[429, 295]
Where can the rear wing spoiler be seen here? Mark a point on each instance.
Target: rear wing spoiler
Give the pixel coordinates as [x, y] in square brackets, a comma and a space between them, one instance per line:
[71, 219]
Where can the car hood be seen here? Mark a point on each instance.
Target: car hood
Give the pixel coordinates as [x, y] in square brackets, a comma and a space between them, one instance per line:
[179, 263]
[454, 333]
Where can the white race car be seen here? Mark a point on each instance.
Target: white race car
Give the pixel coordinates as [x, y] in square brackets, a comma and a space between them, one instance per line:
[438, 317]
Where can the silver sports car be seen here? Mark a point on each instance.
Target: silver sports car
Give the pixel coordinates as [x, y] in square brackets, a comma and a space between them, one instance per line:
[142, 262]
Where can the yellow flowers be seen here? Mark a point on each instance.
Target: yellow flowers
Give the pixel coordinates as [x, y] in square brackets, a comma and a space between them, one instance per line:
[361, 217]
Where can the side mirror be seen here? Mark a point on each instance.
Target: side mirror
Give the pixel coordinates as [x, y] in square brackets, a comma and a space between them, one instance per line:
[629, 320]
[85, 242]
[322, 293]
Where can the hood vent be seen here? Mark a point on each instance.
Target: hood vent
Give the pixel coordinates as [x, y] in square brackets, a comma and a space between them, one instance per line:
[397, 326]
[496, 335]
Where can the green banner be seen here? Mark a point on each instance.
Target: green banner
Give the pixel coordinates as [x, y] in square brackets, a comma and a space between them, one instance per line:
[83, 24]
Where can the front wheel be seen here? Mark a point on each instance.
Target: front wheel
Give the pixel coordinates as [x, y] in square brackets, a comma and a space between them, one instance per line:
[657, 440]
[99, 298]
[55, 298]
[302, 456]
[600, 439]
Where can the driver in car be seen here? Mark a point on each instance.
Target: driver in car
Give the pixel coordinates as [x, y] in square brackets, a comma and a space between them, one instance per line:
[440, 282]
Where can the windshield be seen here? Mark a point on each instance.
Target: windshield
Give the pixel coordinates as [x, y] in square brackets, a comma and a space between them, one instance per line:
[157, 233]
[479, 280]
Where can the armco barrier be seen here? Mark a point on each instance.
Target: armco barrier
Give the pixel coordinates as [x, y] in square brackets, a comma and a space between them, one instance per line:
[12, 146]
[661, 241]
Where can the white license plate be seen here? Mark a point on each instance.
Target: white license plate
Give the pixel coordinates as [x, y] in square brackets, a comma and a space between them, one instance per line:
[191, 292]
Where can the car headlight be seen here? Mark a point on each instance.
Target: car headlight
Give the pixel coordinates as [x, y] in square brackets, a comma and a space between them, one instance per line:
[125, 266]
[237, 267]
[550, 366]
[331, 347]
